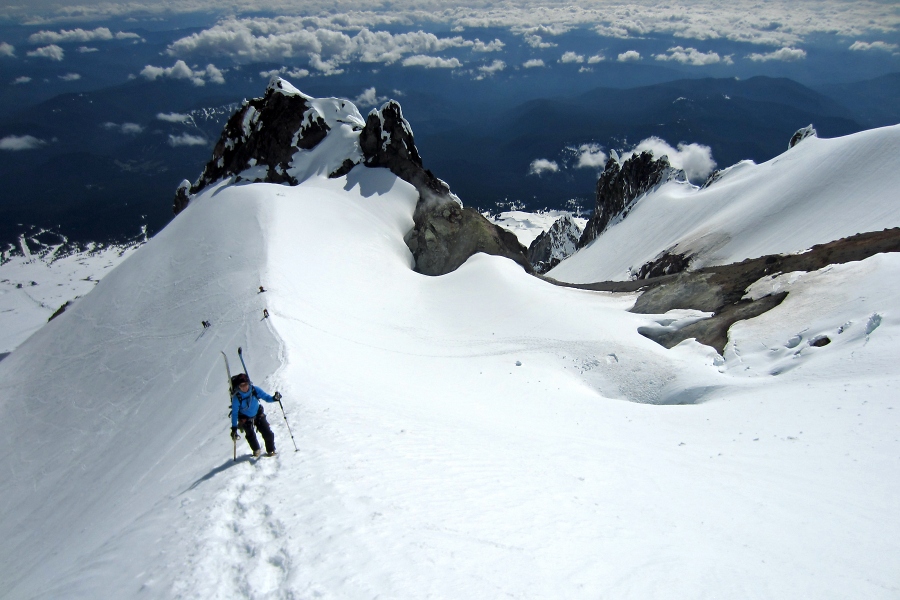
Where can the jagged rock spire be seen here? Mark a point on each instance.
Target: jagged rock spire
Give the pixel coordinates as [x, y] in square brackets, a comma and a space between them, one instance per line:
[620, 185]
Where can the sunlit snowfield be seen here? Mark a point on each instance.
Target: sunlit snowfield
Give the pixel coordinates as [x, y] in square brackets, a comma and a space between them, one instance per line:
[478, 434]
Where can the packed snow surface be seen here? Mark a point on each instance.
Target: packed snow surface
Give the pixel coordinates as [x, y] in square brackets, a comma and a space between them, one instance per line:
[482, 434]
[36, 279]
[819, 191]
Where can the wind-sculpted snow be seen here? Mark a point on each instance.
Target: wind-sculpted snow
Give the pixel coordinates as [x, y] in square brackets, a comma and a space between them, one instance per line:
[475, 435]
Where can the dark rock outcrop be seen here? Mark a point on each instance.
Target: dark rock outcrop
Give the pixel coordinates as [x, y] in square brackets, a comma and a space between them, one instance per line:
[556, 244]
[387, 141]
[60, 310]
[446, 235]
[713, 177]
[801, 135]
[667, 263]
[264, 135]
[721, 290]
[620, 185]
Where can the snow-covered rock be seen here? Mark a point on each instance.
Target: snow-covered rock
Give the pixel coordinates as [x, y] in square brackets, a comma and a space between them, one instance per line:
[286, 137]
[802, 134]
[556, 244]
[816, 192]
[621, 185]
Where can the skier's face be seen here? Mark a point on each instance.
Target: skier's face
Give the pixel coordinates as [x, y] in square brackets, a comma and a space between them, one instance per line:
[244, 386]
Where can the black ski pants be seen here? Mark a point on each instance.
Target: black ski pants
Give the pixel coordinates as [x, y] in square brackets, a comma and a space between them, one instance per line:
[246, 424]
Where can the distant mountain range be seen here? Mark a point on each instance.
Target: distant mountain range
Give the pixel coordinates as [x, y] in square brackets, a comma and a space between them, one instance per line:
[96, 178]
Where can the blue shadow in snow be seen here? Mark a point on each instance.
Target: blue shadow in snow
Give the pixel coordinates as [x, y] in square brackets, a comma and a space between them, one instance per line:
[371, 182]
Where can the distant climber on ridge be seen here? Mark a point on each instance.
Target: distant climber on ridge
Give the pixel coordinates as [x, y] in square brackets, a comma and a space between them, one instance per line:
[247, 412]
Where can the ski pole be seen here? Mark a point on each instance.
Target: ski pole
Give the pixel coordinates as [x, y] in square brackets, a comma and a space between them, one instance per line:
[243, 364]
[296, 449]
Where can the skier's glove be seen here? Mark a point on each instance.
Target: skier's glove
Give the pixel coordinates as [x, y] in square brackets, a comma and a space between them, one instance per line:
[277, 396]
[234, 434]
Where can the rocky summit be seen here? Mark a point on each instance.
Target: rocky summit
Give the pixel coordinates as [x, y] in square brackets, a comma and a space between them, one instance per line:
[553, 246]
[285, 137]
[621, 184]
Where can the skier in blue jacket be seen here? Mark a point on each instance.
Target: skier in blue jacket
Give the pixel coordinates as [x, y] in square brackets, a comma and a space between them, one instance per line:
[247, 412]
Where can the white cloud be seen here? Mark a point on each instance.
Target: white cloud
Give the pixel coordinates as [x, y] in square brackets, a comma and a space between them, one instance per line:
[785, 54]
[571, 57]
[692, 56]
[325, 50]
[613, 31]
[541, 166]
[66, 36]
[773, 23]
[865, 46]
[71, 35]
[86, 49]
[694, 159]
[186, 139]
[70, 77]
[53, 52]
[494, 67]
[180, 70]
[630, 56]
[494, 46]
[22, 79]
[590, 156]
[536, 41]
[369, 98]
[126, 128]
[295, 73]
[7, 50]
[431, 62]
[534, 62]
[596, 58]
[20, 142]
[174, 117]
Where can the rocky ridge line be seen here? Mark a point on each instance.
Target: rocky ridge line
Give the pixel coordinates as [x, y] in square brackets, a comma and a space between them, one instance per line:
[721, 289]
[621, 185]
[266, 133]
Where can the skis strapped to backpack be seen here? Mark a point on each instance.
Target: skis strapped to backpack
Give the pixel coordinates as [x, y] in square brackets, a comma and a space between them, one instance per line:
[230, 395]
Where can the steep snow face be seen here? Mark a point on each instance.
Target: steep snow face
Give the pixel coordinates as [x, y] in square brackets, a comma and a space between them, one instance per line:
[478, 434]
[818, 191]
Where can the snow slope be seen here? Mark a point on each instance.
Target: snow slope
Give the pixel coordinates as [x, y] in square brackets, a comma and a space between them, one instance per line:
[480, 434]
[35, 282]
[819, 191]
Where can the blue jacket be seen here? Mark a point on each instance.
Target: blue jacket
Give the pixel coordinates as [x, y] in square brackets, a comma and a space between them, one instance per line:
[247, 404]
